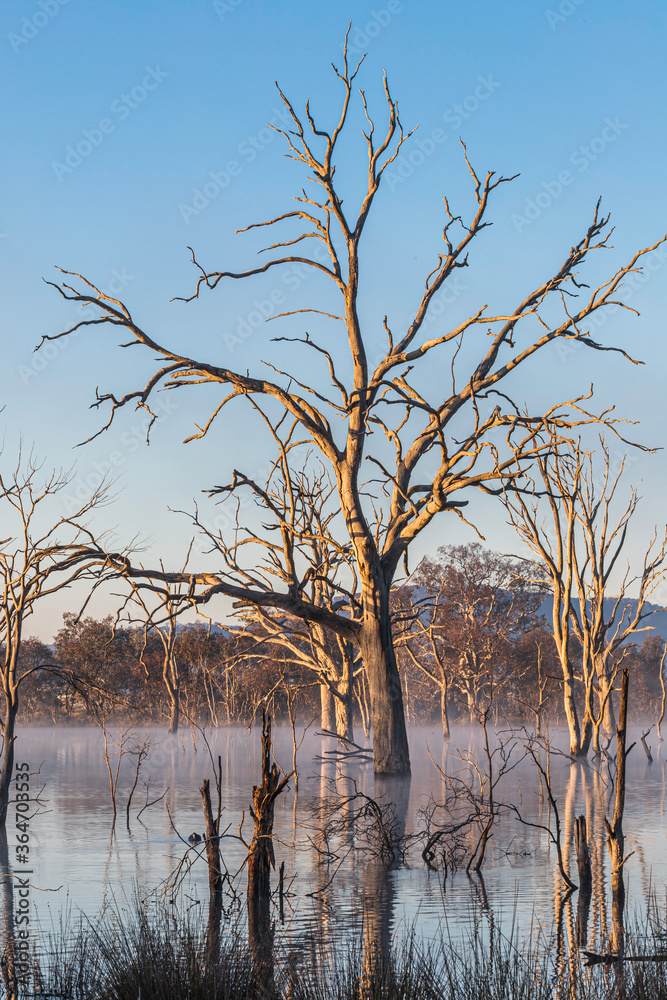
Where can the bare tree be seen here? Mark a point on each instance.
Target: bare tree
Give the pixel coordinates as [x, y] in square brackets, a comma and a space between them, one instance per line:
[299, 508]
[162, 621]
[45, 552]
[577, 550]
[381, 411]
[464, 611]
[421, 644]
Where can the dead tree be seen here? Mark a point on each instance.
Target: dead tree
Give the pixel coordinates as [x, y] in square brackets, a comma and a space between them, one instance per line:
[162, 621]
[473, 800]
[43, 554]
[429, 453]
[585, 879]
[299, 507]
[615, 836]
[577, 548]
[417, 639]
[212, 825]
[261, 858]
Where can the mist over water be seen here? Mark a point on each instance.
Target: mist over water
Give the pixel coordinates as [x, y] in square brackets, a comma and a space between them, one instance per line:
[79, 864]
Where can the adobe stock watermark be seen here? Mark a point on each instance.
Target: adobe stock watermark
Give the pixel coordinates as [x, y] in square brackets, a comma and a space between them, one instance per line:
[225, 7]
[447, 295]
[405, 164]
[121, 109]
[246, 151]
[564, 10]
[226, 521]
[82, 488]
[270, 305]
[362, 37]
[581, 158]
[31, 26]
[632, 283]
[52, 349]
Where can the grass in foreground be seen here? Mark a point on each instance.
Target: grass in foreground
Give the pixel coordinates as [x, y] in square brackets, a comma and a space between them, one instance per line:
[162, 956]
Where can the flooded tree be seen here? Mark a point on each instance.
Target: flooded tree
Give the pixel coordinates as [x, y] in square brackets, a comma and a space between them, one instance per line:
[261, 858]
[375, 404]
[299, 507]
[577, 547]
[45, 551]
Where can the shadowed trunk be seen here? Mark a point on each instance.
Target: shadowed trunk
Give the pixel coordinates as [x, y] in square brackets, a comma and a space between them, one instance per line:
[585, 880]
[344, 716]
[261, 860]
[8, 942]
[605, 684]
[615, 837]
[214, 874]
[343, 702]
[587, 732]
[9, 738]
[390, 740]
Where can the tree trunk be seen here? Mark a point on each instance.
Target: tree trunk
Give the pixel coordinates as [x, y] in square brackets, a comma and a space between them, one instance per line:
[214, 875]
[571, 709]
[615, 837]
[585, 880]
[362, 702]
[173, 684]
[443, 709]
[327, 713]
[7, 768]
[343, 710]
[390, 739]
[662, 687]
[586, 735]
[605, 684]
[175, 712]
[261, 860]
[597, 725]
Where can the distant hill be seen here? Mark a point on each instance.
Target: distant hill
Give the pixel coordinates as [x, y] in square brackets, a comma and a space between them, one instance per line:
[657, 622]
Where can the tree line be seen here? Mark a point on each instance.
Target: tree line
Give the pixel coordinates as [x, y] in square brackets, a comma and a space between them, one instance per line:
[471, 634]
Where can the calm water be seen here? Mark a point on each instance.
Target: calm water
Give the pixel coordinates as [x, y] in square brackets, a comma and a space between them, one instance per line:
[79, 864]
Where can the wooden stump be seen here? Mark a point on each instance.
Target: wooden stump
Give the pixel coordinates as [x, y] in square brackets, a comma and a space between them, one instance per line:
[585, 880]
[261, 860]
[214, 874]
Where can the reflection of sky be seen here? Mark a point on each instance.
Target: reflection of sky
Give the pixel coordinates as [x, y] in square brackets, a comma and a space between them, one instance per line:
[71, 846]
[535, 91]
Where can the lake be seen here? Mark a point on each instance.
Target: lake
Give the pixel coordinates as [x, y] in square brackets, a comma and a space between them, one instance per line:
[336, 885]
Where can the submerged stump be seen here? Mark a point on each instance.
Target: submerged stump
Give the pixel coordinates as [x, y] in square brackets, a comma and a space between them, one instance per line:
[261, 860]
[214, 873]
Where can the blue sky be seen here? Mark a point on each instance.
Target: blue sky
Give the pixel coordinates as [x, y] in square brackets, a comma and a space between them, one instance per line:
[167, 105]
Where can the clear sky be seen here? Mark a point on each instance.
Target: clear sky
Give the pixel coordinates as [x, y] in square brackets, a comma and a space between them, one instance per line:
[134, 129]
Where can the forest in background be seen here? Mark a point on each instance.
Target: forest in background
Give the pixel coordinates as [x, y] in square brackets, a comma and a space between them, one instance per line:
[471, 636]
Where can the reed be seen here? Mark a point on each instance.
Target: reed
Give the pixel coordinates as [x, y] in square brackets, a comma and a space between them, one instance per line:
[142, 953]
